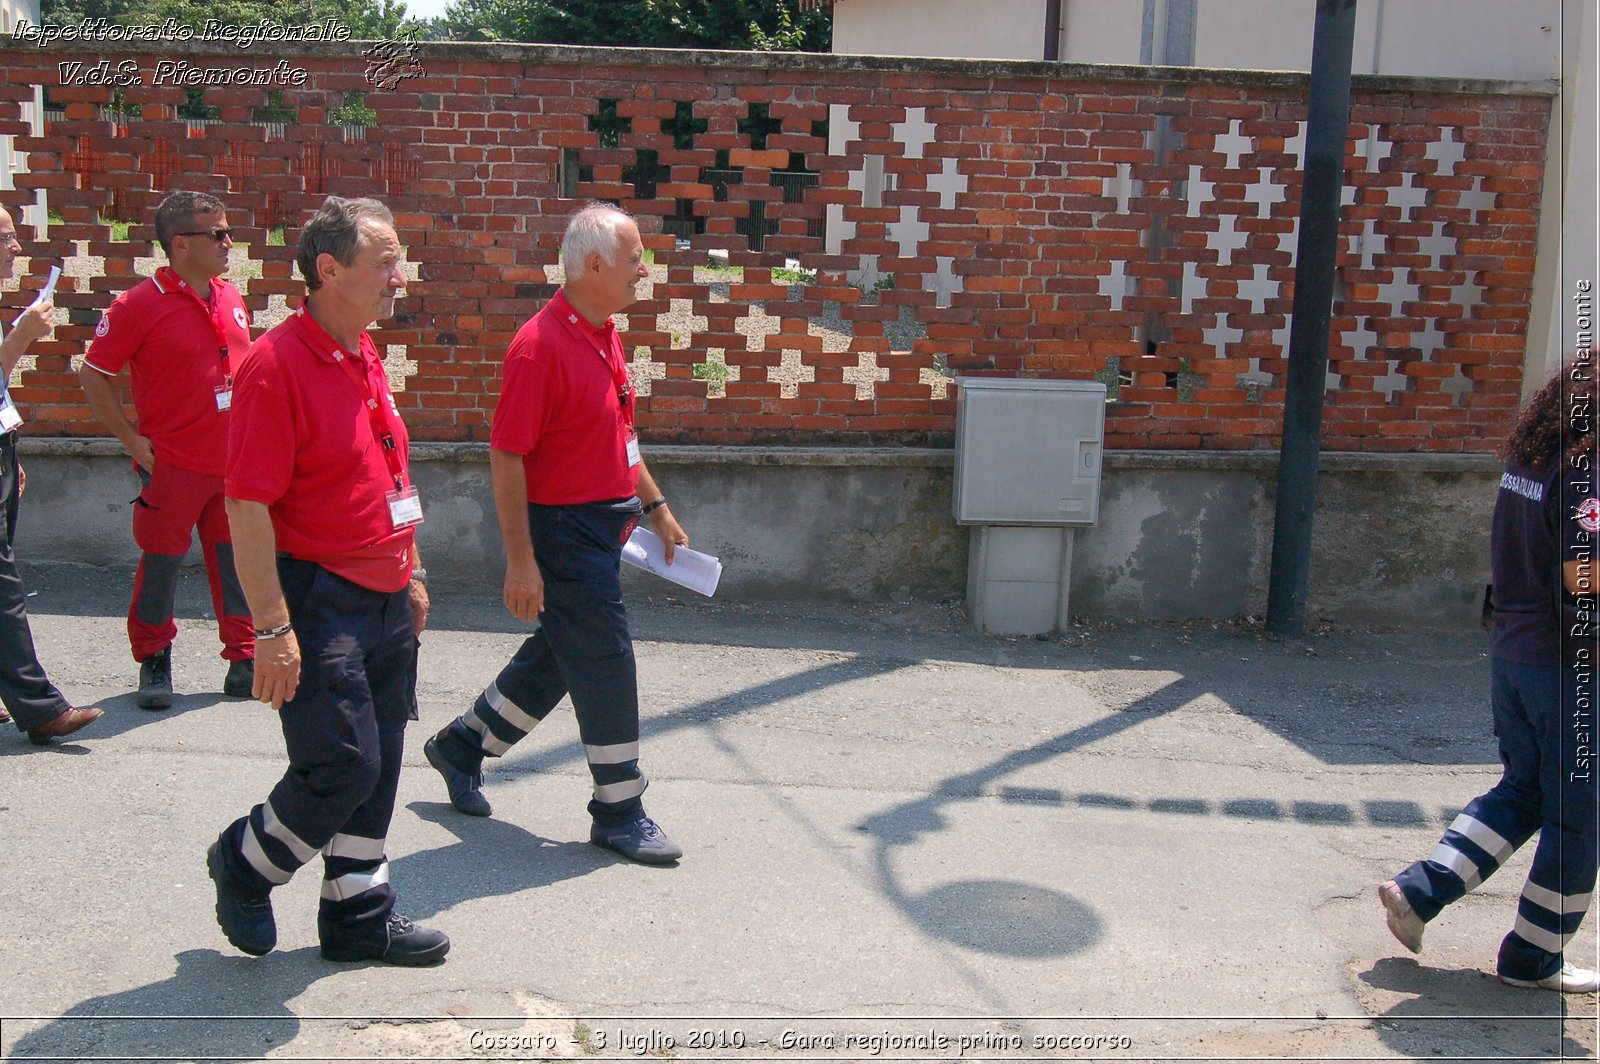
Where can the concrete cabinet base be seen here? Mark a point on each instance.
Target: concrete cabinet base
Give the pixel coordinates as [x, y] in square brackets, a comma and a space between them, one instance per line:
[1018, 579]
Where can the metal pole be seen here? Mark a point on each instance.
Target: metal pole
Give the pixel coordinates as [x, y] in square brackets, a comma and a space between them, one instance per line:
[1326, 123]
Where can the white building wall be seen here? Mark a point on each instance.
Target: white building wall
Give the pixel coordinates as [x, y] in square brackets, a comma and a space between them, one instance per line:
[952, 29]
[1437, 38]
[11, 161]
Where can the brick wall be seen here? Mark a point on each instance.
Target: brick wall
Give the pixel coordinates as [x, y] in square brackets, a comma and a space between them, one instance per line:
[887, 224]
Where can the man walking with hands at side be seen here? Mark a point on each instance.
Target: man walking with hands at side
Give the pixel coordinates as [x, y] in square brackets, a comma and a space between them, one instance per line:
[323, 514]
[568, 479]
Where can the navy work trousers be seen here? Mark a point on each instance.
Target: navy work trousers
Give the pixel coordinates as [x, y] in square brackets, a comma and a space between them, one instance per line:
[345, 733]
[582, 648]
[1544, 720]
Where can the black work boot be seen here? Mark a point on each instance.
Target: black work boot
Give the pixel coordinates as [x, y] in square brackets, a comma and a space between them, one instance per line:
[464, 788]
[155, 680]
[244, 915]
[240, 680]
[396, 941]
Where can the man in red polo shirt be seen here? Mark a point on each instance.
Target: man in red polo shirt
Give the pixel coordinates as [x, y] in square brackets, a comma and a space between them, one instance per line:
[568, 479]
[323, 514]
[179, 333]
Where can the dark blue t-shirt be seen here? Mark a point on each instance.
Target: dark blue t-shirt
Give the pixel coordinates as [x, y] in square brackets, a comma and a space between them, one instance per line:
[1542, 518]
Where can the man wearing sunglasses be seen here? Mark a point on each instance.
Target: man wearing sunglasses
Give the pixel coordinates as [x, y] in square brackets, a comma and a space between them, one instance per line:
[568, 479]
[179, 333]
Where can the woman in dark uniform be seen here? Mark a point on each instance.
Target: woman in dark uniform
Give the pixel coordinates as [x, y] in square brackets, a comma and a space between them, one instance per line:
[1542, 660]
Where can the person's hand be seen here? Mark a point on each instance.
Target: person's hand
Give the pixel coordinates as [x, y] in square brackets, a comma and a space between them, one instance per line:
[142, 452]
[22, 480]
[524, 593]
[36, 322]
[277, 669]
[666, 526]
[419, 606]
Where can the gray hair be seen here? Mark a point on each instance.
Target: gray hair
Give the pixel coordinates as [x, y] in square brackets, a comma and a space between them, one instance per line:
[336, 230]
[592, 231]
[176, 214]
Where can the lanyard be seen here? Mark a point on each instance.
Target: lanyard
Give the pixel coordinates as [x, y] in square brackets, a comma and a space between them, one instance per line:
[213, 312]
[619, 374]
[382, 431]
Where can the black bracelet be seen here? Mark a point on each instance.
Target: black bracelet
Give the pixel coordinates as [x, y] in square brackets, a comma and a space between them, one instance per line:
[273, 633]
[655, 505]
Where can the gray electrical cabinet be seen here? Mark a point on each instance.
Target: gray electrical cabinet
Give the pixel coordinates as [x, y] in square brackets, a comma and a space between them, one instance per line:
[1028, 451]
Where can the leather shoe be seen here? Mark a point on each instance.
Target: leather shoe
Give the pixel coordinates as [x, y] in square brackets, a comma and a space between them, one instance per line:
[398, 941]
[638, 840]
[463, 787]
[5, 718]
[245, 916]
[64, 724]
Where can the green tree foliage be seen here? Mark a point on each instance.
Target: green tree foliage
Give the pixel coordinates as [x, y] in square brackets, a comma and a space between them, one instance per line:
[365, 19]
[760, 25]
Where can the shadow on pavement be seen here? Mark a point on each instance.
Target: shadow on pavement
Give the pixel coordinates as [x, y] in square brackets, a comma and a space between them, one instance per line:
[492, 858]
[213, 1007]
[1467, 1011]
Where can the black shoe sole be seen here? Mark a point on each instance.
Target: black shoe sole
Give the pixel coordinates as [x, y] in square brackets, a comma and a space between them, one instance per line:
[235, 692]
[219, 875]
[643, 857]
[421, 959]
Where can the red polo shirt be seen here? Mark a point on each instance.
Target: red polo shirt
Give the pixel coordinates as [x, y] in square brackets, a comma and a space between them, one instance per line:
[172, 342]
[304, 442]
[559, 408]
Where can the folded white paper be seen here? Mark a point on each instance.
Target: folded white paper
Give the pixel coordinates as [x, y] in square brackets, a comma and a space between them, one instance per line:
[47, 293]
[689, 568]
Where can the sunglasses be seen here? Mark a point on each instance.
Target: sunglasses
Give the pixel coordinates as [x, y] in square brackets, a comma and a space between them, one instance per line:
[219, 235]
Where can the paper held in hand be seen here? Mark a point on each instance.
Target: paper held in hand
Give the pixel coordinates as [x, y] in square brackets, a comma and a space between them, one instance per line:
[689, 568]
[47, 293]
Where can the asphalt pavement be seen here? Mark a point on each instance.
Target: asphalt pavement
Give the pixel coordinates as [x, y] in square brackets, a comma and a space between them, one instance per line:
[904, 840]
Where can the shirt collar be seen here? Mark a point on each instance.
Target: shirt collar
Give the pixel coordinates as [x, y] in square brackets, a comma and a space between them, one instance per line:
[316, 337]
[167, 282]
[575, 323]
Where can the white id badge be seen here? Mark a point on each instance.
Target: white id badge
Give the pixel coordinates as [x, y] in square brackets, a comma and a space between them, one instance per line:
[224, 397]
[405, 508]
[10, 420]
[633, 451]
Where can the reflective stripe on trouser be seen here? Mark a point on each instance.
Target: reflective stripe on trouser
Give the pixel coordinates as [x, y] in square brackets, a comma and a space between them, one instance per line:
[25, 690]
[345, 734]
[582, 648]
[1548, 787]
[173, 502]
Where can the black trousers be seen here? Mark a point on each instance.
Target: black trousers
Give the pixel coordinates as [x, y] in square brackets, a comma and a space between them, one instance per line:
[582, 647]
[345, 734]
[27, 692]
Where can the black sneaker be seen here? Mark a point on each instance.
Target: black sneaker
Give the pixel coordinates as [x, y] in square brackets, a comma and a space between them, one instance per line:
[155, 680]
[245, 916]
[399, 941]
[240, 679]
[637, 840]
[464, 788]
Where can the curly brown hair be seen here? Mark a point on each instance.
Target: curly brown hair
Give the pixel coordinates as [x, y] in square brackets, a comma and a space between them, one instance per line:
[1560, 416]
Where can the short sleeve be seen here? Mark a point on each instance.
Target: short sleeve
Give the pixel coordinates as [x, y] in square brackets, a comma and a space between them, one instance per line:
[520, 415]
[117, 337]
[261, 430]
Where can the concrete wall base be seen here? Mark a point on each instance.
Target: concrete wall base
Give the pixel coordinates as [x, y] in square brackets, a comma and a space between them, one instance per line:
[1400, 539]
